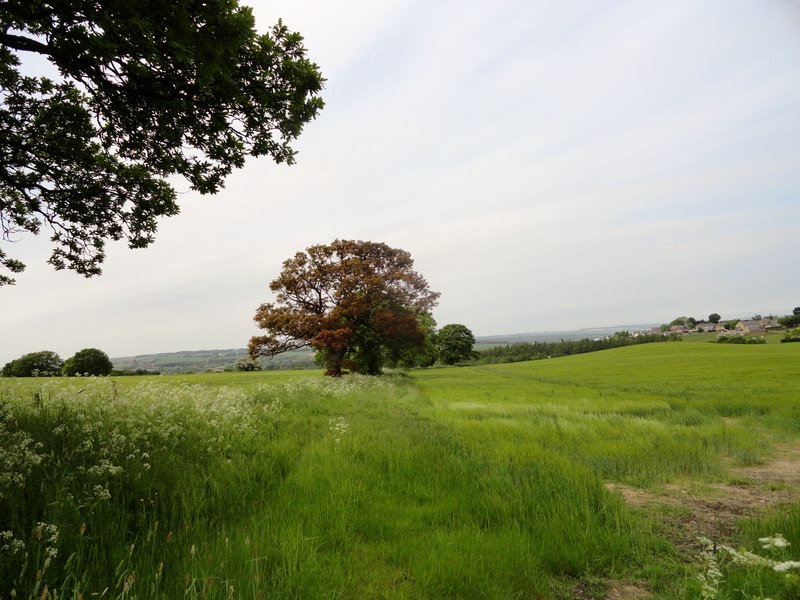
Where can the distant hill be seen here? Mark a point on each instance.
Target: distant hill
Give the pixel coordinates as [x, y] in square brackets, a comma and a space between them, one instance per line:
[555, 336]
[201, 361]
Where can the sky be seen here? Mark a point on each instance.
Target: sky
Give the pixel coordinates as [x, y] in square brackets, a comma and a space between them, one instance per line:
[549, 165]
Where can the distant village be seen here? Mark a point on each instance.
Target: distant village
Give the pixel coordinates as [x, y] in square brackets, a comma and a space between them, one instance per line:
[757, 325]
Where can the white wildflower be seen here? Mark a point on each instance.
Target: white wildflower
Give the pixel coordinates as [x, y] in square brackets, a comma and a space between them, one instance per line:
[47, 533]
[785, 566]
[9, 543]
[749, 559]
[710, 575]
[338, 427]
[101, 493]
[103, 468]
[777, 541]
[746, 558]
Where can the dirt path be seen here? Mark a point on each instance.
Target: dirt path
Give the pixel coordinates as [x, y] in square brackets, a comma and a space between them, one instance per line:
[690, 510]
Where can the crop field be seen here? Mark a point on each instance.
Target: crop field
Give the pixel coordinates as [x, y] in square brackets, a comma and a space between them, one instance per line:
[642, 472]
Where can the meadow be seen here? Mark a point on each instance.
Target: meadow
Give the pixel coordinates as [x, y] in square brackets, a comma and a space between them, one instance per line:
[470, 482]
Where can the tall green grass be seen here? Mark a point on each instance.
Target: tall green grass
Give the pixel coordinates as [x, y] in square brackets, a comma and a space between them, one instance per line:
[455, 483]
[312, 488]
[639, 415]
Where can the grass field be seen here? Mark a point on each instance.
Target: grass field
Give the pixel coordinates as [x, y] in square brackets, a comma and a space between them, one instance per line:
[477, 482]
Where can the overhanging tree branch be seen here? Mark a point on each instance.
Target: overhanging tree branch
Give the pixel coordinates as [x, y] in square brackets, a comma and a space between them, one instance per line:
[149, 90]
[24, 44]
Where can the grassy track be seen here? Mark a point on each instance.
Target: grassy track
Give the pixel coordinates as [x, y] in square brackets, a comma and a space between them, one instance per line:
[455, 483]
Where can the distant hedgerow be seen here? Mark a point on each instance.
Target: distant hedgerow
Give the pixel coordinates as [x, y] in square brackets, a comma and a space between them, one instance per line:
[735, 339]
[538, 350]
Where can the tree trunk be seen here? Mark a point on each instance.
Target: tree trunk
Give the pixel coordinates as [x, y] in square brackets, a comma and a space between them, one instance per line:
[334, 363]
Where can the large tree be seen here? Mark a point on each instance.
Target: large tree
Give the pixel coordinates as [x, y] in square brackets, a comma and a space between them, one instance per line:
[89, 361]
[351, 300]
[146, 90]
[35, 364]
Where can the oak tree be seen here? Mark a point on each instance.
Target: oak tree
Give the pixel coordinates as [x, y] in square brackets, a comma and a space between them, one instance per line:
[351, 300]
[146, 90]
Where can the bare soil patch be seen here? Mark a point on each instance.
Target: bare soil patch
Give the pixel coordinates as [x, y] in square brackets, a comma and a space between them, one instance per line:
[689, 510]
[625, 590]
[610, 590]
[712, 510]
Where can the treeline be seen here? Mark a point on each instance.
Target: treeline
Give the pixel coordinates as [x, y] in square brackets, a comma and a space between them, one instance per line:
[522, 351]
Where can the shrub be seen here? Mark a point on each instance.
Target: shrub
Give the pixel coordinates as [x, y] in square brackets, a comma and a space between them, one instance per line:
[246, 363]
[791, 336]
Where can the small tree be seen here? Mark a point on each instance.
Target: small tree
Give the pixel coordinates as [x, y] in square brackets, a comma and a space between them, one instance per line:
[789, 321]
[89, 361]
[351, 300]
[796, 311]
[454, 343]
[714, 318]
[34, 364]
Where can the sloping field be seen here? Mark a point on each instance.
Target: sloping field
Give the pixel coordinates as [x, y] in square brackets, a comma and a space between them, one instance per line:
[583, 477]
[639, 415]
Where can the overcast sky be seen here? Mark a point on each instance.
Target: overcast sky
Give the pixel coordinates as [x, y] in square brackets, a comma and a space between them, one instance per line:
[549, 165]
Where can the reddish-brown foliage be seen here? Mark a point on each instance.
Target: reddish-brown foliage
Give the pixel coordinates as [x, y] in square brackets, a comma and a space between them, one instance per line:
[341, 297]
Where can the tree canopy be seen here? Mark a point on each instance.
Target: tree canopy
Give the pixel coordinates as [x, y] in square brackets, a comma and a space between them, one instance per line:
[89, 361]
[351, 300]
[454, 343]
[147, 90]
[35, 364]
